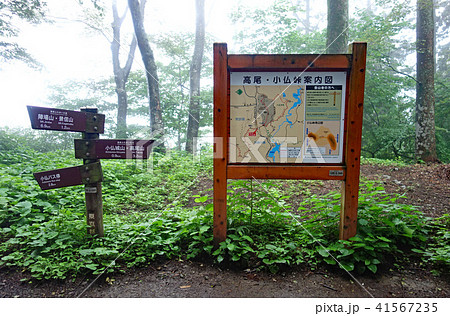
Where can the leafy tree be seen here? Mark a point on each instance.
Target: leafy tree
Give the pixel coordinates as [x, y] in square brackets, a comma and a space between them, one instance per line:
[174, 77]
[388, 125]
[388, 130]
[32, 11]
[276, 29]
[74, 95]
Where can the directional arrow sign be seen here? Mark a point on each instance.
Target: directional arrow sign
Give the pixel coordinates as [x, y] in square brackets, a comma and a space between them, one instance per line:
[66, 177]
[112, 148]
[66, 120]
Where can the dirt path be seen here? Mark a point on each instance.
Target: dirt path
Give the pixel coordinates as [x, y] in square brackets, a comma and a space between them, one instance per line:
[193, 279]
[425, 186]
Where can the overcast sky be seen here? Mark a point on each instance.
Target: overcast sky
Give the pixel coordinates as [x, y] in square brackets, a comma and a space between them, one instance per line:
[69, 51]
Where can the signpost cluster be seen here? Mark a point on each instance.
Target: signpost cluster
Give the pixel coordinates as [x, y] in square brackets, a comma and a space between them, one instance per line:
[89, 148]
[288, 117]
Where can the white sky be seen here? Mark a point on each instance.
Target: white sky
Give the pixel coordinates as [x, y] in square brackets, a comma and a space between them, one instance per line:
[68, 51]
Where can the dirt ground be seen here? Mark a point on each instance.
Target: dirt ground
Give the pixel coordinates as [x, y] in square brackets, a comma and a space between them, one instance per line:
[425, 186]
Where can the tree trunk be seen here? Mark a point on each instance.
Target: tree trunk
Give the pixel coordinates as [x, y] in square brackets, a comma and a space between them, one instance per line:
[306, 22]
[156, 120]
[194, 78]
[369, 6]
[121, 73]
[425, 129]
[307, 18]
[337, 29]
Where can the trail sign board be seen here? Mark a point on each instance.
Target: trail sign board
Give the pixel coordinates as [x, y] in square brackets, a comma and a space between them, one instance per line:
[90, 149]
[112, 148]
[66, 177]
[65, 120]
[288, 117]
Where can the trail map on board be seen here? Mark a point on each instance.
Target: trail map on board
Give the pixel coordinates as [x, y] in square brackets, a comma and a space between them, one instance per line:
[286, 117]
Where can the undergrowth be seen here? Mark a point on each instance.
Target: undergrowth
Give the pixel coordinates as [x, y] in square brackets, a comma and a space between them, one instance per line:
[150, 214]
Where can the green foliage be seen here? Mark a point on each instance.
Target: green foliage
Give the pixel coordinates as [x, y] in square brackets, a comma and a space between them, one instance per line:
[74, 95]
[174, 68]
[149, 215]
[276, 29]
[388, 124]
[280, 237]
[44, 232]
[438, 251]
[18, 144]
[31, 11]
[383, 162]
[385, 229]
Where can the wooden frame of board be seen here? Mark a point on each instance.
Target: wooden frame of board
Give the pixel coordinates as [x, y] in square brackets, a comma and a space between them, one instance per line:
[348, 170]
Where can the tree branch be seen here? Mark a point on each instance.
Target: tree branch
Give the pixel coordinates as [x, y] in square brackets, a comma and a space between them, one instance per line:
[388, 63]
[401, 73]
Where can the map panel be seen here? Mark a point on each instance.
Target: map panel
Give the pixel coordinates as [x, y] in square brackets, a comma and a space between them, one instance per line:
[286, 117]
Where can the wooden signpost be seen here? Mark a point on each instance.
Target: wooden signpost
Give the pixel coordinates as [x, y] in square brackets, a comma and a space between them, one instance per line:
[112, 148]
[67, 177]
[66, 120]
[91, 149]
[288, 117]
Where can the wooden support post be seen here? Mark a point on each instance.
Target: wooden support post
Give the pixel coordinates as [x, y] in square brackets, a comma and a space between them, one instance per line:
[352, 151]
[93, 192]
[220, 143]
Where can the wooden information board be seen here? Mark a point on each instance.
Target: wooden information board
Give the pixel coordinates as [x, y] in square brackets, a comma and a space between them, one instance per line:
[288, 117]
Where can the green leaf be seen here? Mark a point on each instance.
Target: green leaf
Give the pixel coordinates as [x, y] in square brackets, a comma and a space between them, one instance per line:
[86, 252]
[24, 204]
[408, 231]
[231, 247]
[201, 199]
[347, 266]
[363, 222]
[52, 235]
[384, 239]
[372, 268]
[204, 228]
[271, 247]
[330, 261]
[267, 261]
[346, 252]
[323, 252]
[375, 261]
[235, 257]
[92, 266]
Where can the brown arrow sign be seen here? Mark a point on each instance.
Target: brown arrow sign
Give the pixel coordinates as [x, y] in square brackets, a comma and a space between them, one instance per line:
[65, 120]
[112, 148]
[66, 177]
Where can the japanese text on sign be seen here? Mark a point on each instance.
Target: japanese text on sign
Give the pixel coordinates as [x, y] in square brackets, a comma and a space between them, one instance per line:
[286, 117]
